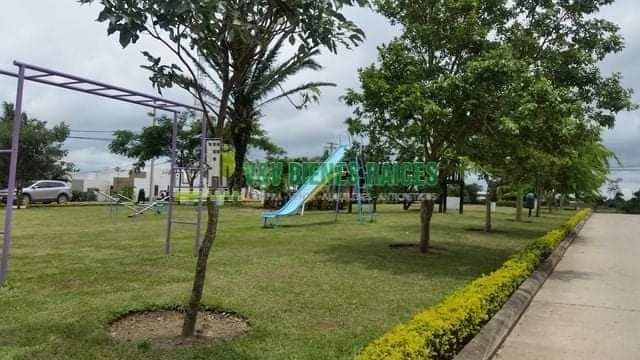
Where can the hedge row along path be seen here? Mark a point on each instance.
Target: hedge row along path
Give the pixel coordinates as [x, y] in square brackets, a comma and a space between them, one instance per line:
[589, 308]
[440, 331]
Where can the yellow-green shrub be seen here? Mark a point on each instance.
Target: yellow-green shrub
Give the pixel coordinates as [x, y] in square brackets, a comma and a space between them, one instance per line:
[442, 330]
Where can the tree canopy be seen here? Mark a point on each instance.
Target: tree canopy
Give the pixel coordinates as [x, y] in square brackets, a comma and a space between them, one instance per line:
[514, 87]
[40, 153]
[217, 47]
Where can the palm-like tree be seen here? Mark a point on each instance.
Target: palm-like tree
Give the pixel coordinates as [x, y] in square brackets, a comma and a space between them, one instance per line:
[264, 84]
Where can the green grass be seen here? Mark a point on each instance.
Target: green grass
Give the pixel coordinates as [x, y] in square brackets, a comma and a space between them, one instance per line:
[311, 289]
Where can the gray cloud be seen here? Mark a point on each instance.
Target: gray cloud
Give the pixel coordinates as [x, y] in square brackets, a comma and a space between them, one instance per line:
[63, 35]
[623, 139]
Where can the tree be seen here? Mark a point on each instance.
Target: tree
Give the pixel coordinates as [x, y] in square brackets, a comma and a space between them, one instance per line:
[411, 104]
[155, 141]
[40, 153]
[564, 43]
[559, 44]
[633, 205]
[267, 76]
[584, 170]
[613, 187]
[470, 192]
[209, 63]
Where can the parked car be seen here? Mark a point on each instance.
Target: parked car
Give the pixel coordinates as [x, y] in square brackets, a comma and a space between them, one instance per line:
[44, 191]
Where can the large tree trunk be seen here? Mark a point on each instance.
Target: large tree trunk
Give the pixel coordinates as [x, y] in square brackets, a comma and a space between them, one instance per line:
[487, 219]
[426, 212]
[240, 145]
[350, 199]
[538, 201]
[491, 192]
[519, 205]
[443, 199]
[461, 210]
[191, 314]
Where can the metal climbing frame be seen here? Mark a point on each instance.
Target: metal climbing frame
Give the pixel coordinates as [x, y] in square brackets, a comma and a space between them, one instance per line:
[365, 207]
[72, 82]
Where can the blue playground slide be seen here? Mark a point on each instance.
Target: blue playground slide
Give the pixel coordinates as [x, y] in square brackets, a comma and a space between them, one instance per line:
[313, 184]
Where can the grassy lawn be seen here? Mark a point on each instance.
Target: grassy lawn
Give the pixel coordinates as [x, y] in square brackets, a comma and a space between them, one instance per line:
[311, 289]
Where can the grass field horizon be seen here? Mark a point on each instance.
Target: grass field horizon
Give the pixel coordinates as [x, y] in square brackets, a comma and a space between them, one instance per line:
[311, 288]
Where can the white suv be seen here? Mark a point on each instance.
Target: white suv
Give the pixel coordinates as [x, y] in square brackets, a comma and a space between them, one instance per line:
[47, 191]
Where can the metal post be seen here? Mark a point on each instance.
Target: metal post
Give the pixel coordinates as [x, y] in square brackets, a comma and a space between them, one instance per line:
[172, 181]
[203, 179]
[152, 166]
[461, 192]
[15, 140]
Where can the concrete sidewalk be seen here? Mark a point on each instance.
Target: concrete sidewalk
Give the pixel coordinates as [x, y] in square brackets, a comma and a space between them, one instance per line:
[589, 308]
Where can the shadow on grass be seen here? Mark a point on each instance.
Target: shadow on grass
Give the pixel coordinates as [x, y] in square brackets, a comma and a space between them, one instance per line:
[492, 231]
[520, 221]
[502, 230]
[461, 261]
[306, 224]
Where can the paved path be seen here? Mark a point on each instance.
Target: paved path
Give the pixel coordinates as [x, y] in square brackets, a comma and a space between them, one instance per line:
[589, 308]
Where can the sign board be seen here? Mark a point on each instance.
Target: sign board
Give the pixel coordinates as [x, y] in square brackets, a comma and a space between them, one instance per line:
[213, 156]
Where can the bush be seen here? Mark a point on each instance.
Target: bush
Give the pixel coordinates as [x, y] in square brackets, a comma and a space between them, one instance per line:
[442, 330]
[83, 196]
[126, 191]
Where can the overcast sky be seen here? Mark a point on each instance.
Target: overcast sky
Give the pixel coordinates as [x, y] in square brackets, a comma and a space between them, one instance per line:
[63, 35]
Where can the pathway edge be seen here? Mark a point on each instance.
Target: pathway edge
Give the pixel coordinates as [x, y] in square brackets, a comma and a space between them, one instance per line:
[493, 334]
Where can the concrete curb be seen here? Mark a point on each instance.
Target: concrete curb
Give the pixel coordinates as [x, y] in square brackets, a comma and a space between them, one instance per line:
[487, 342]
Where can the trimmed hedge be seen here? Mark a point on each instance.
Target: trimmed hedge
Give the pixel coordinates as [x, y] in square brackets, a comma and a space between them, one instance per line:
[442, 330]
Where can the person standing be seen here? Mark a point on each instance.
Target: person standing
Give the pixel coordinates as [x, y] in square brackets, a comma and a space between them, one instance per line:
[141, 196]
[530, 202]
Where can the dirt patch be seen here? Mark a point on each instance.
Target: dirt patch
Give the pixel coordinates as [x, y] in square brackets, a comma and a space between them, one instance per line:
[162, 328]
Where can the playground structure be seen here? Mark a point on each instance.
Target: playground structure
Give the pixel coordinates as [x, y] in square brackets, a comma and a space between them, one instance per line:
[37, 74]
[118, 200]
[319, 180]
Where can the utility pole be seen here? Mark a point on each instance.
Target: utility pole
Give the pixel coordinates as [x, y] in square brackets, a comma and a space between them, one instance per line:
[331, 146]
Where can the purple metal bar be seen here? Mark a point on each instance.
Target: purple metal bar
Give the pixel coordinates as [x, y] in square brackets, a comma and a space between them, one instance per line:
[32, 77]
[101, 84]
[66, 85]
[147, 103]
[149, 100]
[172, 183]
[70, 83]
[8, 73]
[11, 189]
[97, 89]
